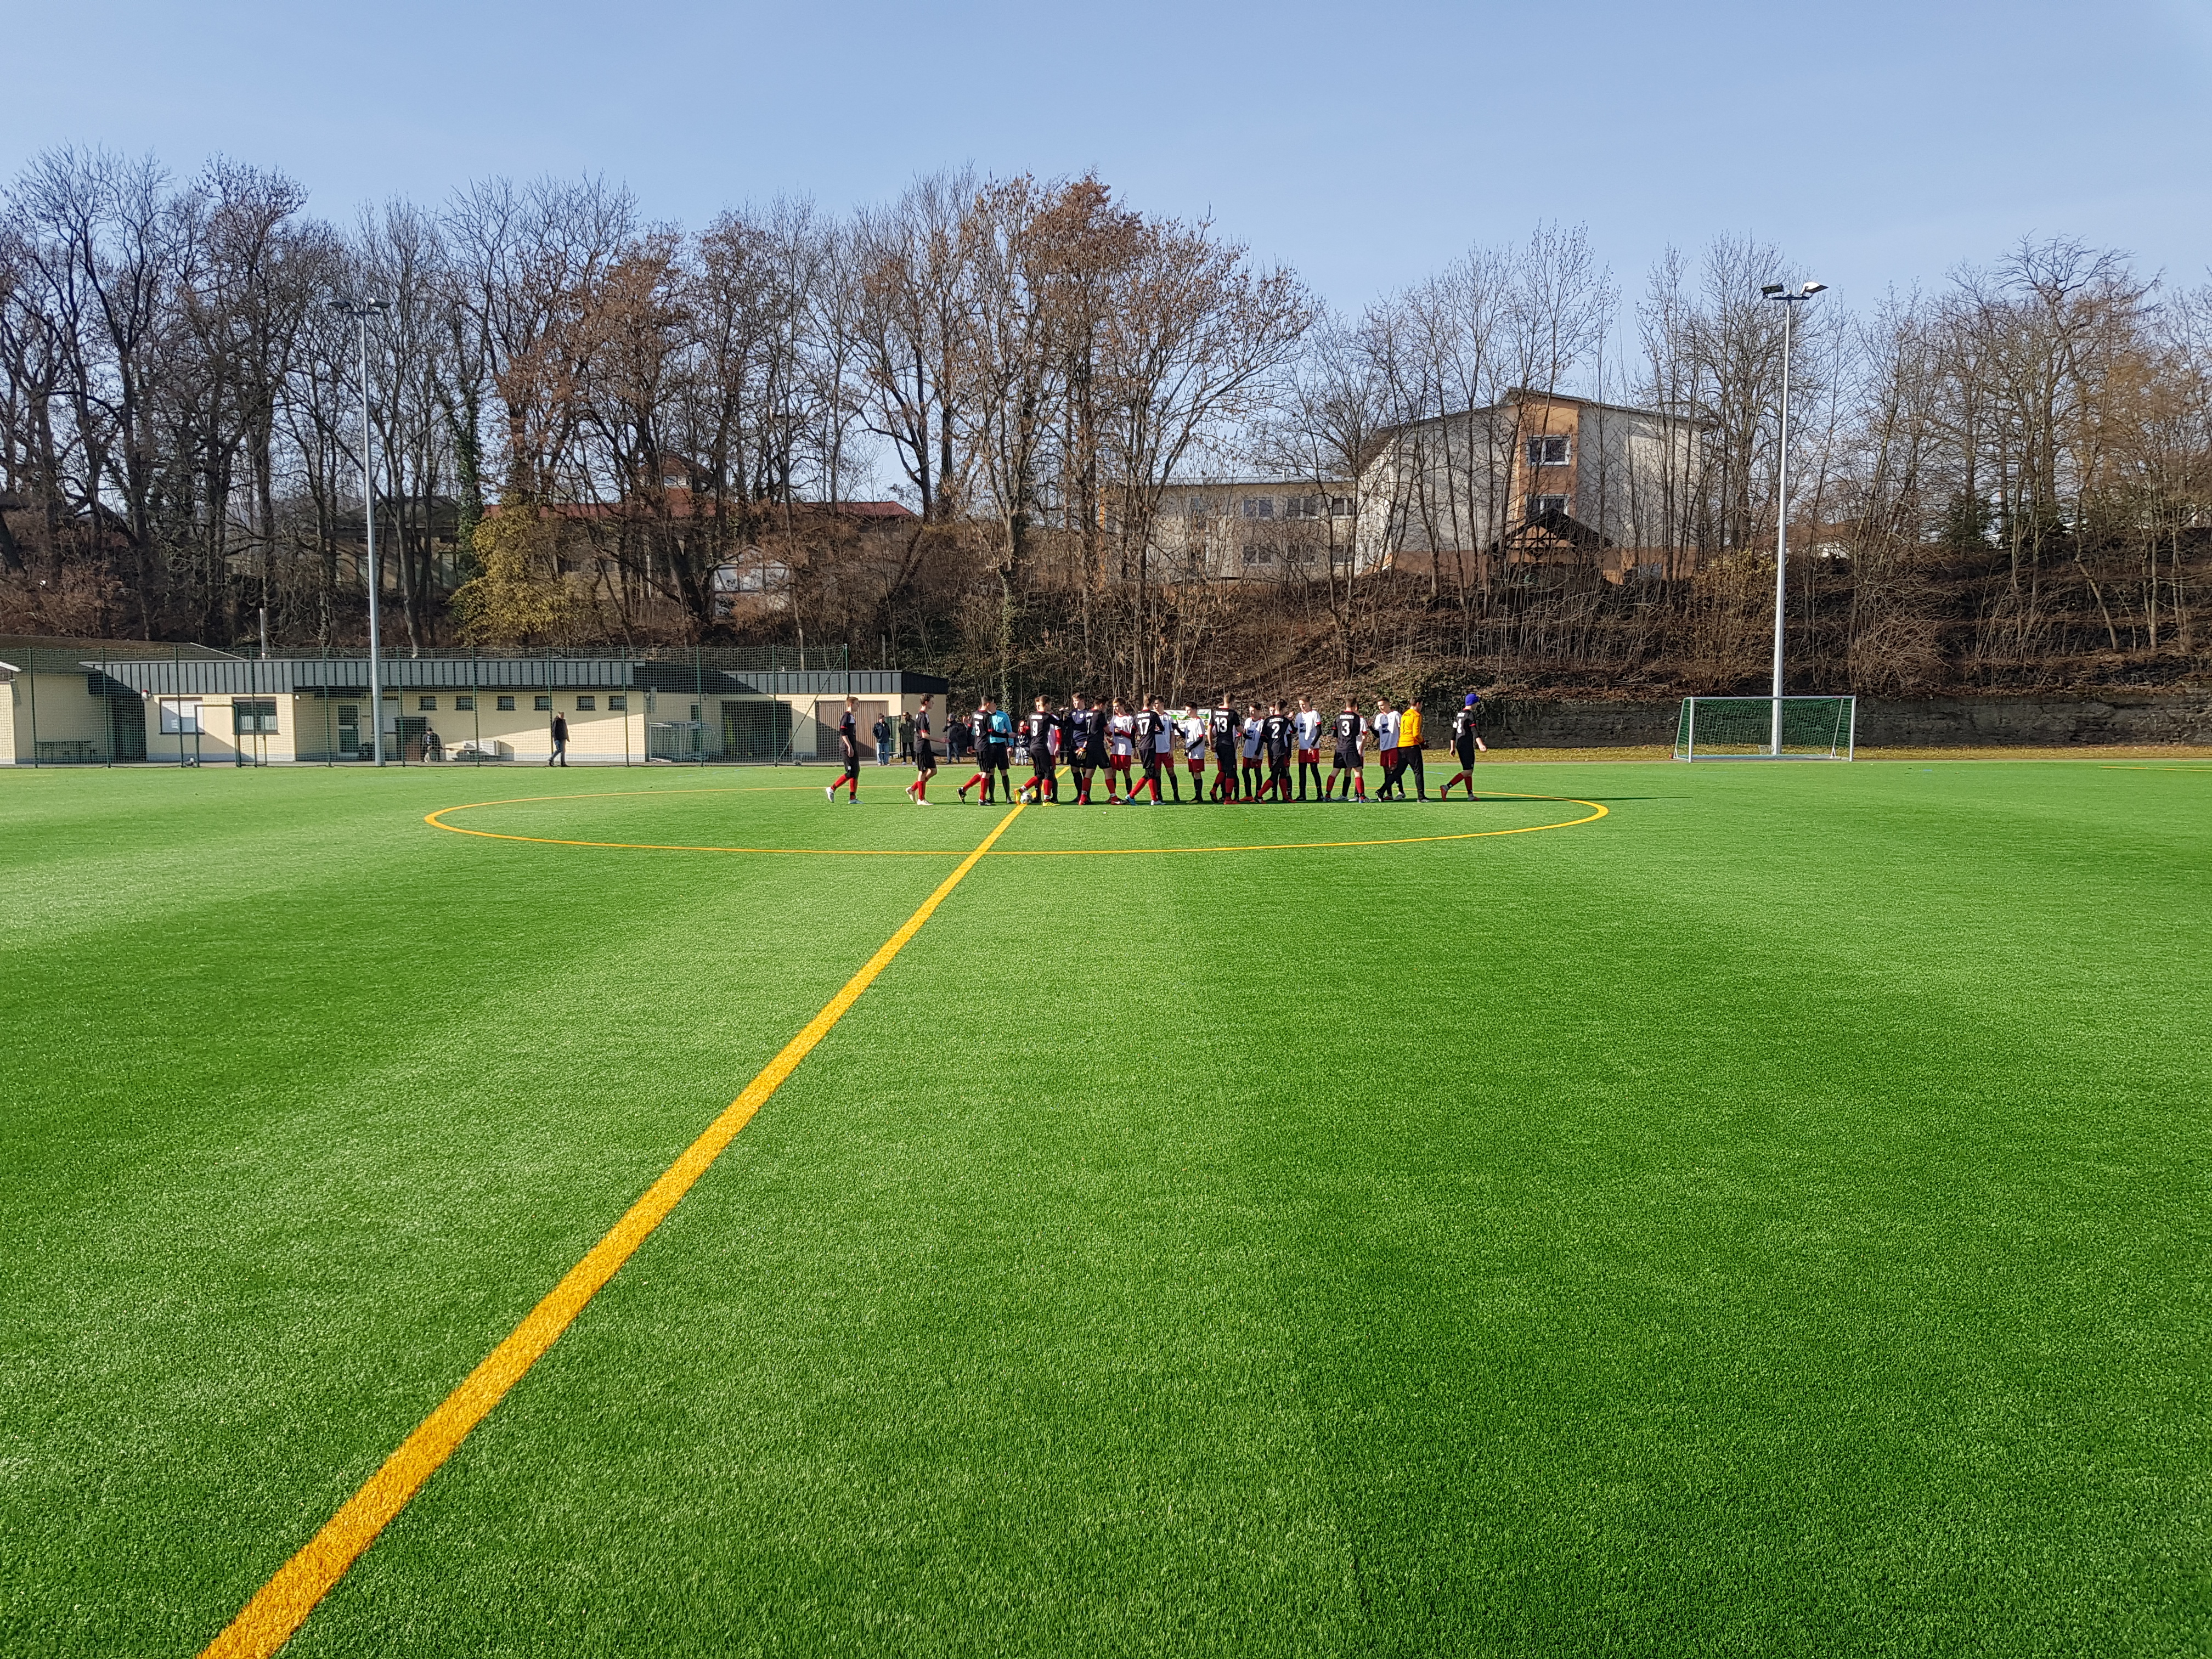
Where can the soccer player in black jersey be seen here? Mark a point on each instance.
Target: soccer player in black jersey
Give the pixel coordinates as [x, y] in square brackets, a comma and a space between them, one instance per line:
[980, 777]
[848, 750]
[1040, 735]
[1349, 763]
[1225, 732]
[1086, 745]
[1150, 733]
[1467, 743]
[925, 757]
[1277, 734]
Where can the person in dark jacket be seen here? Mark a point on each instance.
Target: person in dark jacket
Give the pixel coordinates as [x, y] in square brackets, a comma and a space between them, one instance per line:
[560, 755]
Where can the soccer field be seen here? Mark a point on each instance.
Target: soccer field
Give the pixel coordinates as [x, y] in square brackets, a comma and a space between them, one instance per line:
[1769, 1218]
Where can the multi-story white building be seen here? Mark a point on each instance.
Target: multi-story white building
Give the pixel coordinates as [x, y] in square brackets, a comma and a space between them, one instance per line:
[1253, 529]
[1536, 478]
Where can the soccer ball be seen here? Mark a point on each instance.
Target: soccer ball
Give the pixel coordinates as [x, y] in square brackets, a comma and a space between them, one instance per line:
[1031, 794]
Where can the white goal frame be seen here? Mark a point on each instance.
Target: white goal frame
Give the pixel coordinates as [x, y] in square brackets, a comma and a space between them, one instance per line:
[1841, 737]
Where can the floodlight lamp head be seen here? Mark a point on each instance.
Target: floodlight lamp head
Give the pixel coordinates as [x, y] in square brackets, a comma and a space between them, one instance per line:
[1773, 290]
[1811, 289]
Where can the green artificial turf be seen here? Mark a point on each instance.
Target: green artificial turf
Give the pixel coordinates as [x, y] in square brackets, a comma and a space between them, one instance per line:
[1770, 1220]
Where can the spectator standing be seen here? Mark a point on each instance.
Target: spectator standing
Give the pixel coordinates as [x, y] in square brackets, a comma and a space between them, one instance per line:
[906, 737]
[560, 755]
[882, 733]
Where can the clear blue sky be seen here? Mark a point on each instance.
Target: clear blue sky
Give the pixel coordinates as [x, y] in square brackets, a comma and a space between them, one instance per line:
[1363, 144]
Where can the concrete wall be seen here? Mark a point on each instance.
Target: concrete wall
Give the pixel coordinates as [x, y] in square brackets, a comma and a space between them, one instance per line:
[2120, 717]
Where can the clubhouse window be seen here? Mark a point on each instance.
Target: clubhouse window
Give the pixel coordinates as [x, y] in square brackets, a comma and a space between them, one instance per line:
[543, 705]
[619, 705]
[466, 705]
[587, 705]
[250, 715]
[505, 705]
[427, 705]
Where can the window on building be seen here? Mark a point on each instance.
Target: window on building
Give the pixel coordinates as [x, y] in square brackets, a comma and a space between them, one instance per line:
[1197, 506]
[249, 715]
[1258, 553]
[694, 711]
[1550, 450]
[1259, 506]
[543, 705]
[1304, 507]
[505, 705]
[427, 705]
[619, 705]
[1541, 505]
[180, 717]
[587, 705]
[466, 705]
[1340, 506]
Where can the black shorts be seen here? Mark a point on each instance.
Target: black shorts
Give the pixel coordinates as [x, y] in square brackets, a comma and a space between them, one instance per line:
[925, 758]
[994, 758]
[1279, 761]
[1091, 760]
[1347, 760]
[1042, 765]
[1465, 750]
[1150, 761]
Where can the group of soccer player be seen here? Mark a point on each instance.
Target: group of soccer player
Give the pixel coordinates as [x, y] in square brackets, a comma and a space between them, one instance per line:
[1137, 746]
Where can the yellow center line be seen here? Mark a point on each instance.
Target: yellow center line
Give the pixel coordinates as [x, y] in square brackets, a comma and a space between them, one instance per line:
[280, 1607]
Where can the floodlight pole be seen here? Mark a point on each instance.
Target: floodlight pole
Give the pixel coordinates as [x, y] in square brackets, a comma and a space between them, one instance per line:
[362, 310]
[1790, 304]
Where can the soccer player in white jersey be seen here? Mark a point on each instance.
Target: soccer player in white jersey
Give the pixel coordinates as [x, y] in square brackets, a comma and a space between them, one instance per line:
[1385, 725]
[1253, 764]
[1121, 751]
[1307, 723]
[1193, 732]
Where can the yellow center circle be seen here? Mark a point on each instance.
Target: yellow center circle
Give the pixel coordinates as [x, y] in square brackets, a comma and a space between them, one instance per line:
[437, 820]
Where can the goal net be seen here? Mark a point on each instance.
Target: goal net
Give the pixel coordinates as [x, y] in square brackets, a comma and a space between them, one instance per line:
[1766, 728]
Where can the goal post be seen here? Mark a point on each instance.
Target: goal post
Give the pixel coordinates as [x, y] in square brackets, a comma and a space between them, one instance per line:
[1766, 728]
